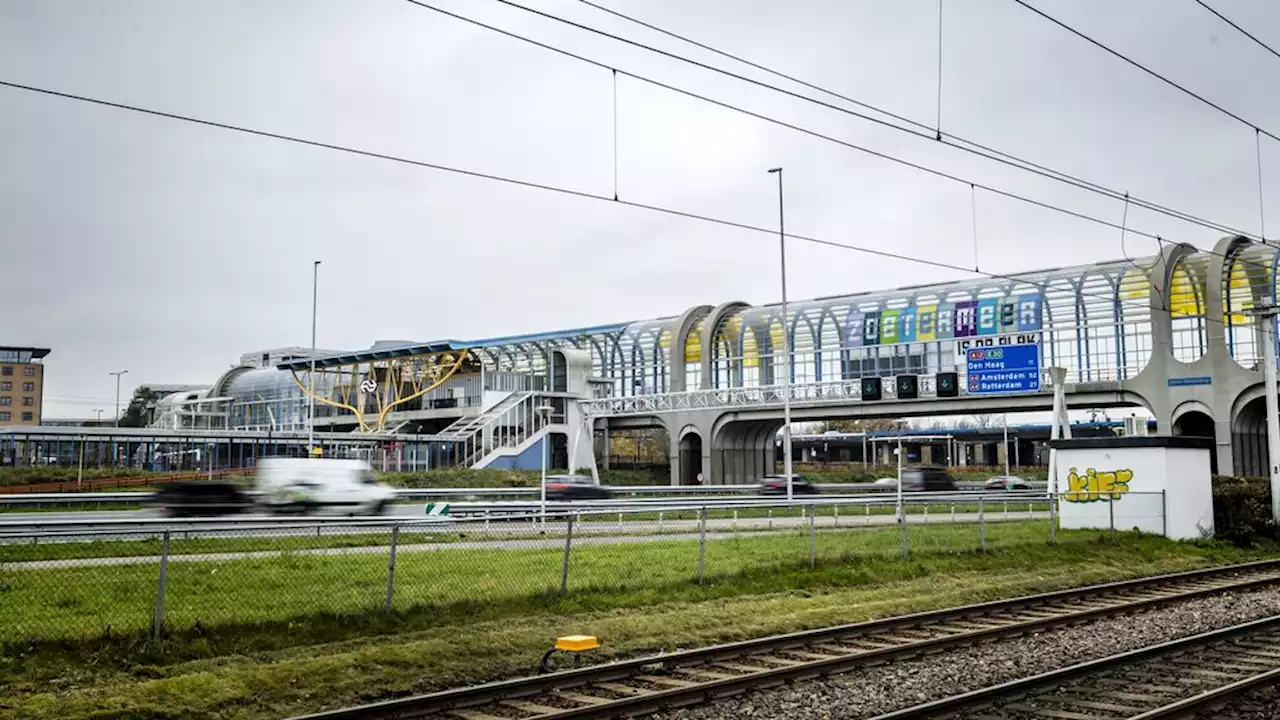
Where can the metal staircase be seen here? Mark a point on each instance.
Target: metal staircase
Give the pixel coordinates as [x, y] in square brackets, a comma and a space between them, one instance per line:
[507, 425]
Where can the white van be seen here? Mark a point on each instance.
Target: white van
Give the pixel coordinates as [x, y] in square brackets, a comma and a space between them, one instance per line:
[306, 484]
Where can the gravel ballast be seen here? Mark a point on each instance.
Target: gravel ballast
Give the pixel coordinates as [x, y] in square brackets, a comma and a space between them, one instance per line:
[867, 692]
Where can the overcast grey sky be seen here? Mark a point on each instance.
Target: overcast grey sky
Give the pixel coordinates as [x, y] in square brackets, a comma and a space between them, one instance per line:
[170, 249]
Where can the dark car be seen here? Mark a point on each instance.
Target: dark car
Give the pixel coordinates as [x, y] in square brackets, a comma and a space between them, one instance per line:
[927, 479]
[1006, 482]
[777, 485]
[202, 497]
[575, 487]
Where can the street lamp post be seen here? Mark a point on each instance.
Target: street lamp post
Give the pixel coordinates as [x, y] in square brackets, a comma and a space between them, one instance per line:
[118, 374]
[99, 421]
[544, 411]
[786, 345]
[311, 397]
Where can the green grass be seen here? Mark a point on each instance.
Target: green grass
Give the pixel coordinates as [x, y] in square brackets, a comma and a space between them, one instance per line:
[254, 640]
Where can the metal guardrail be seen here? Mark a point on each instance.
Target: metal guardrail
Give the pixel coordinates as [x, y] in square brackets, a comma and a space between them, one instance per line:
[506, 512]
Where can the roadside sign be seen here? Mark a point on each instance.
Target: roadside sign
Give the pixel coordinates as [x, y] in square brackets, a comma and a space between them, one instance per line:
[437, 509]
[1003, 369]
[964, 345]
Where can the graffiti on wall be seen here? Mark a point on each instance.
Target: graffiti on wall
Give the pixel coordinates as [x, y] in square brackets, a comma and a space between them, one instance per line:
[1093, 485]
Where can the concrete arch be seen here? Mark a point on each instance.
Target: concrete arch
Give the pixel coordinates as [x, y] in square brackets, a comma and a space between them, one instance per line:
[675, 351]
[1190, 406]
[744, 450]
[710, 324]
[1246, 396]
[689, 451]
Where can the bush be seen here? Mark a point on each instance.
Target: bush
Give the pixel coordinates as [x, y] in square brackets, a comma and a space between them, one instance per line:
[491, 478]
[1242, 511]
[54, 473]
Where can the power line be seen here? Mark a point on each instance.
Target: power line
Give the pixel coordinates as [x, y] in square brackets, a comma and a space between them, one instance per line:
[569, 192]
[813, 133]
[923, 131]
[1241, 30]
[1147, 70]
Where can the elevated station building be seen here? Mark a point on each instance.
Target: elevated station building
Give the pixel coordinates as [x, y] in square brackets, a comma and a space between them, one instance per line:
[1170, 333]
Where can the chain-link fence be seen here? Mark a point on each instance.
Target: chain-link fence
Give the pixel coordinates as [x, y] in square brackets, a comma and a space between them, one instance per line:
[190, 577]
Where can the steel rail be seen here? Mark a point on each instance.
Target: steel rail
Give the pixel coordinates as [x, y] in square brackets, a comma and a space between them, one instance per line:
[1266, 671]
[692, 676]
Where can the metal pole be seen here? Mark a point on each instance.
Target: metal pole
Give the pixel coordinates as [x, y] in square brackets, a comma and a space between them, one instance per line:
[311, 398]
[542, 493]
[118, 374]
[1111, 518]
[1006, 444]
[1266, 317]
[902, 508]
[80, 468]
[1164, 513]
[982, 525]
[157, 612]
[702, 543]
[1053, 519]
[786, 344]
[813, 510]
[564, 569]
[391, 566]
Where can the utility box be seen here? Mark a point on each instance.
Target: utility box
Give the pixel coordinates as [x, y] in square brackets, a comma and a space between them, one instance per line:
[1156, 484]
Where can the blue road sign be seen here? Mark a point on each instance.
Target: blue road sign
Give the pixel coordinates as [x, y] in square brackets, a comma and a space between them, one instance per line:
[1003, 369]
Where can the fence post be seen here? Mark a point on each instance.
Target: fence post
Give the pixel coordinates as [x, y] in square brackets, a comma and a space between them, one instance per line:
[835, 518]
[1053, 520]
[702, 543]
[568, 544]
[391, 566]
[157, 613]
[1164, 514]
[813, 510]
[902, 524]
[982, 524]
[1111, 518]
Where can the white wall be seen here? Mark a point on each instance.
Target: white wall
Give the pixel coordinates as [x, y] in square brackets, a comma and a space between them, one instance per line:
[1128, 482]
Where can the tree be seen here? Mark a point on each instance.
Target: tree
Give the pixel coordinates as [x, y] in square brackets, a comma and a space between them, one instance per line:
[141, 410]
[861, 425]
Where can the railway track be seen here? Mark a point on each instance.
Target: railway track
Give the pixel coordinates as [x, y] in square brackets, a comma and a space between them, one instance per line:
[1172, 679]
[642, 685]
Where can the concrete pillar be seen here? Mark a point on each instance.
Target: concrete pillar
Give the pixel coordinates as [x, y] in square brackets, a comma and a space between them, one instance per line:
[1222, 446]
[1002, 451]
[926, 454]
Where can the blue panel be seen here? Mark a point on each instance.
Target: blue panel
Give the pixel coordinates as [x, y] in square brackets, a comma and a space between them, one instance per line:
[907, 325]
[1029, 312]
[989, 316]
[1185, 381]
[530, 459]
[1003, 369]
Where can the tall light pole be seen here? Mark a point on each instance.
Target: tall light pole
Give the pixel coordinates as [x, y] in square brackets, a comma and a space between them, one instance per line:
[1266, 312]
[118, 374]
[311, 395]
[786, 344]
[544, 411]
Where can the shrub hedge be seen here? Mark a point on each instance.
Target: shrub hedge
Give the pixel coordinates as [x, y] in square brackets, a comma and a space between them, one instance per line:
[1242, 511]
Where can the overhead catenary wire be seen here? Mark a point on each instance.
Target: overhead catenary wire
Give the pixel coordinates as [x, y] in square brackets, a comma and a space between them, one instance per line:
[1191, 93]
[801, 129]
[564, 191]
[1239, 29]
[922, 130]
